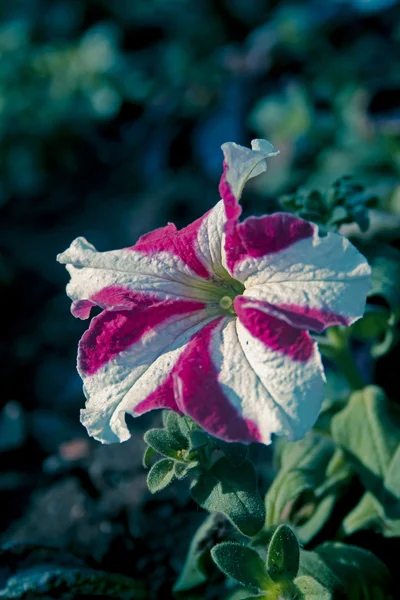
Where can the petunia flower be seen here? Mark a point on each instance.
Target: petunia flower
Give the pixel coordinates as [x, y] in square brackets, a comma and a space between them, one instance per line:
[213, 320]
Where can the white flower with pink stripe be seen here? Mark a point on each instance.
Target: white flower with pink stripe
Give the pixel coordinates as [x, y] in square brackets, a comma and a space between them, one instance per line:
[213, 321]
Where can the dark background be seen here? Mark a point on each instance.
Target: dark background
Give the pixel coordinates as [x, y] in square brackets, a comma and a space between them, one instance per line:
[112, 114]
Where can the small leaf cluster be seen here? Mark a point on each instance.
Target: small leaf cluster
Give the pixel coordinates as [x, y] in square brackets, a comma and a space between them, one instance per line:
[223, 480]
[331, 571]
[344, 202]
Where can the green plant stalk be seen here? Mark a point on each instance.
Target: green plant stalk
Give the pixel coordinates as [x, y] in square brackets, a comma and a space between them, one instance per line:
[336, 348]
[346, 364]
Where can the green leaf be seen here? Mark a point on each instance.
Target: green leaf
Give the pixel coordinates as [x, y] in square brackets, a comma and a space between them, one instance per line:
[198, 439]
[163, 443]
[311, 564]
[369, 447]
[319, 517]
[181, 470]
[283, 555]
[385, 264]
[242, 564]
[160, 475]
[361, 572]
[369, 514]
[232, 492]
[242, 594]
[391, 490]
[174, 428]
[312, 589]
[381, 515]
[48, 580]
[236, 453]
[197, 565]
[302, 467]
[147, 456]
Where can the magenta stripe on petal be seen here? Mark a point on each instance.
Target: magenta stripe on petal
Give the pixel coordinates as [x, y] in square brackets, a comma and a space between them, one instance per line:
[113, 297]
[275, 333]
[260, 236]
[113, 332]
[162, 397]
[232, 207]
[193, 382]
[315, 319]
[180, 243]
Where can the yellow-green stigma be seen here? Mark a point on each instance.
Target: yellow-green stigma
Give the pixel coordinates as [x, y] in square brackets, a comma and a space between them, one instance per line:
[226, 302]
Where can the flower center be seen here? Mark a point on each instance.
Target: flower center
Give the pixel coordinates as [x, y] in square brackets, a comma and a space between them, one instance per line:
[226, 302]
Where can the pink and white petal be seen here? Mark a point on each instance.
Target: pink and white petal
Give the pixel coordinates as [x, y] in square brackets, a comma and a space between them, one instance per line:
[132, 369]
[313, 283]
[277, 372]
[199, 245]
[240, 165]
[210, 241]
[104, 278]
[198, 390]
[181, 244]
[253, 243]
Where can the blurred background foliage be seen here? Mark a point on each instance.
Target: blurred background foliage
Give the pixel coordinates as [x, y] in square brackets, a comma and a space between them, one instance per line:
[112, 114]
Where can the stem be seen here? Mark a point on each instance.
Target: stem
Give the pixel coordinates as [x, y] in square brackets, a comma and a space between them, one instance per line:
[346, 363]
[338, 350]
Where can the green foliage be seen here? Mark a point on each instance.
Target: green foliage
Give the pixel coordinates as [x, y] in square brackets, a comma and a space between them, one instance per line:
[160, 475]
[38, 582]
[164, 443]
[385, 265]
[312, 565]
[311, 477]
[283, 555]
[344, 202]
[361, 572]
[197, 565]
[242, 564]
[233, 492]
[334, 571]
[372, 446]
[370, 514]
[311, 589]
[235, 453]
[224, 484]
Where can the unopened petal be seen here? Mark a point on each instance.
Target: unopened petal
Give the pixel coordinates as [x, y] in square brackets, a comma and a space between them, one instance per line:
[241, 163]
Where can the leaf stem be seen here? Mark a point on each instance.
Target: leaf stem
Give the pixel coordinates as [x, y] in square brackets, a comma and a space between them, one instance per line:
[346, 364]
[336, 347]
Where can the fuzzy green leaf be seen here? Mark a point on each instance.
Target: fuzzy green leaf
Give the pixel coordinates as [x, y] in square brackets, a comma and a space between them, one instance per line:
[147, 456]
[232, 492]
[174, 428]
[242, 564]
[48, 581]
[198, 439]
[311, 589]
[160, 475]
[322, 511]
[181, 469]
[391, 490]
[283, 555]
[302, 467]
[361, 572]
[370, 514]
[163, 442]
[197, 565]
[371, 447]
[311, 564]
[236, 453]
